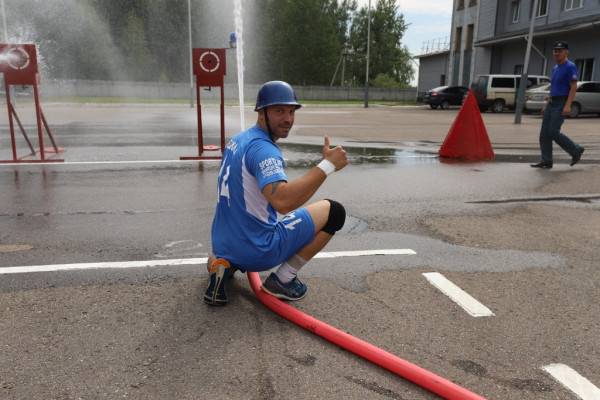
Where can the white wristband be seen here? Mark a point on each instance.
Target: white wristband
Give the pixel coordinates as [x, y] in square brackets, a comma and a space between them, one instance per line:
[326, 166]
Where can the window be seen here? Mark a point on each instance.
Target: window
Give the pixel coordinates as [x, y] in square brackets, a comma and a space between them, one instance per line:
[542, 9]
[442, 80]
[569, 5]
[472, 3]
[530, 82]
[470, 31]
[503, 83]
[515, 11]
[585, 68]
[587, 88]
[458, 39]
[461, 4]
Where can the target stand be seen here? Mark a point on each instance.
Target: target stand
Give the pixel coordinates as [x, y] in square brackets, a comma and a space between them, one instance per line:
[209, 69]
[18, 63]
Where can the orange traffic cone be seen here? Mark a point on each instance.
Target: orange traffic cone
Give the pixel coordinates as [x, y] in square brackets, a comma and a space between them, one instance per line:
[468, 138]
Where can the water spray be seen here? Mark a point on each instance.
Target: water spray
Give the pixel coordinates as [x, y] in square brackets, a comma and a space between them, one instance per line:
[239, 50]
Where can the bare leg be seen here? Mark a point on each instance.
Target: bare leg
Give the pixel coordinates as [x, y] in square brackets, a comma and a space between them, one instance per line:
[321, 239]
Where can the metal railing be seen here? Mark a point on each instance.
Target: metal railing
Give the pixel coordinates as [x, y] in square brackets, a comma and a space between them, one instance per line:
[436, 45]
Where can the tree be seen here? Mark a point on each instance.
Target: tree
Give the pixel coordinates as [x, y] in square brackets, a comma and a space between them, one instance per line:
[306, 39]
[387, 55]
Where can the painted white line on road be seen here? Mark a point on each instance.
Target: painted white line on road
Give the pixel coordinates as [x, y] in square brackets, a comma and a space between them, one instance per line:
[177, 262]
[459, 296]
[358, 253]
[103, 265]
[576, 383]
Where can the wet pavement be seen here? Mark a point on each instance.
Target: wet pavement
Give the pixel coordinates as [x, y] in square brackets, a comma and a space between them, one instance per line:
[522, 241]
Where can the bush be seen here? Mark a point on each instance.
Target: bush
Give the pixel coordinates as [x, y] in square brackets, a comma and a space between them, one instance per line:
[386, 81]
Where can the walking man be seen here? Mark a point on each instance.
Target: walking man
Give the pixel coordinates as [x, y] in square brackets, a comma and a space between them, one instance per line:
[253, 189]
[563, 87]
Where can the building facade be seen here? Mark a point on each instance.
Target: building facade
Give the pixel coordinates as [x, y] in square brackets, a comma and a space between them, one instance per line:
[433, 64]
[490, 37]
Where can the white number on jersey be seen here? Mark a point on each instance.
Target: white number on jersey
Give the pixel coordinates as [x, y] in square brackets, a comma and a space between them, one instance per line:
[224, 189]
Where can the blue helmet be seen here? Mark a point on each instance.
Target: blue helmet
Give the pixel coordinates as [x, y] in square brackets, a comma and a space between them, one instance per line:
[276, 93]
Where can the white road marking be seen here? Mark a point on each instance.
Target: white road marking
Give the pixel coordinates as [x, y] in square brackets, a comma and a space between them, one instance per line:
[103, 265]
[459, 296]
[358, 253]
[177, 262]
[569, 378]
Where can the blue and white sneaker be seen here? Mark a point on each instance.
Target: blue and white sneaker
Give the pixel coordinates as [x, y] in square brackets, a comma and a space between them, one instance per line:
[219, 271]
[294, 290]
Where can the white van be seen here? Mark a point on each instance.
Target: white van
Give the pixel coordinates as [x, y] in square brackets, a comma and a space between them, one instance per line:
[498, 92]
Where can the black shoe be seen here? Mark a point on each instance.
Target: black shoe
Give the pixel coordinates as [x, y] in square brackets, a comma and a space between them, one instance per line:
[576, 158]
[294, 290]
[542, 165]
[219, 272]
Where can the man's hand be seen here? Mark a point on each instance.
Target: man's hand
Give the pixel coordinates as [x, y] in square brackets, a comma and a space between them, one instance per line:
[337, 155]
[566, 110]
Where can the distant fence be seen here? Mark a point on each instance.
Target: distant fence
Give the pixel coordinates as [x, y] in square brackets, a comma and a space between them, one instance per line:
[160, 90]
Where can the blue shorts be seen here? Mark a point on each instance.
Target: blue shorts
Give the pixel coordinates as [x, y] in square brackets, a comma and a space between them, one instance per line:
[294, 232]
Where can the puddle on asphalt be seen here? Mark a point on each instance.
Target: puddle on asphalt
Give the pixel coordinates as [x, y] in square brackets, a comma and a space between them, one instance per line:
[302, 155]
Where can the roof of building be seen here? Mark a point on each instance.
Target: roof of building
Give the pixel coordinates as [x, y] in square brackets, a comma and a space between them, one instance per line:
[573, 25]
[435, 53]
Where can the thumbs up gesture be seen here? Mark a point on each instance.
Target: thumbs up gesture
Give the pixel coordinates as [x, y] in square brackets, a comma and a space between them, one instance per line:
[336, 155]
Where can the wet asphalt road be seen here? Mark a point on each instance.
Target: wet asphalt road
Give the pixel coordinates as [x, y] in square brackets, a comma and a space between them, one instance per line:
[145, 333]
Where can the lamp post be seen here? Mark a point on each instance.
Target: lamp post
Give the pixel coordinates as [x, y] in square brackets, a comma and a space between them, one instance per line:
[523, 85]
[191, 61]
[368, 51]
[5, 31]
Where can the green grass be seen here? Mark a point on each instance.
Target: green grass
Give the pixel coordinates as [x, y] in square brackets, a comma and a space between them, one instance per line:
[141, 100]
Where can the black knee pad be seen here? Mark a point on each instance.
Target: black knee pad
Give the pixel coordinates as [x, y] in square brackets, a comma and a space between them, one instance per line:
[336, 219]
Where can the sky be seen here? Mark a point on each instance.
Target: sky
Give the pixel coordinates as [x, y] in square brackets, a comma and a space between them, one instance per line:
[427, 19]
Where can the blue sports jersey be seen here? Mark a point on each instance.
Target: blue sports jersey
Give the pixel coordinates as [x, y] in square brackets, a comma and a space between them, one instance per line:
[562, 76]
[245, 223]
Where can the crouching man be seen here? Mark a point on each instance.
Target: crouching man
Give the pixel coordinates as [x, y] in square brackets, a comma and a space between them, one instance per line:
[253, 188]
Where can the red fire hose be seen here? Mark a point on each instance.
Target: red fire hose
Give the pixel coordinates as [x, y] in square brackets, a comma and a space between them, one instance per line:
[427, 380]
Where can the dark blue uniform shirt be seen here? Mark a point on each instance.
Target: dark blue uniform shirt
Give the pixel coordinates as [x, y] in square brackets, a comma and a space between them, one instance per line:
[562, 75]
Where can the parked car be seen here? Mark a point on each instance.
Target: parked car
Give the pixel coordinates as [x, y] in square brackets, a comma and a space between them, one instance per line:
[498, 92]
[535, 98]
[587, 99]
[445, 96]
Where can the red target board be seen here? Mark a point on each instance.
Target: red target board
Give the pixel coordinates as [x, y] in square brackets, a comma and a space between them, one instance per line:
[209, 66]
[18, 62]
